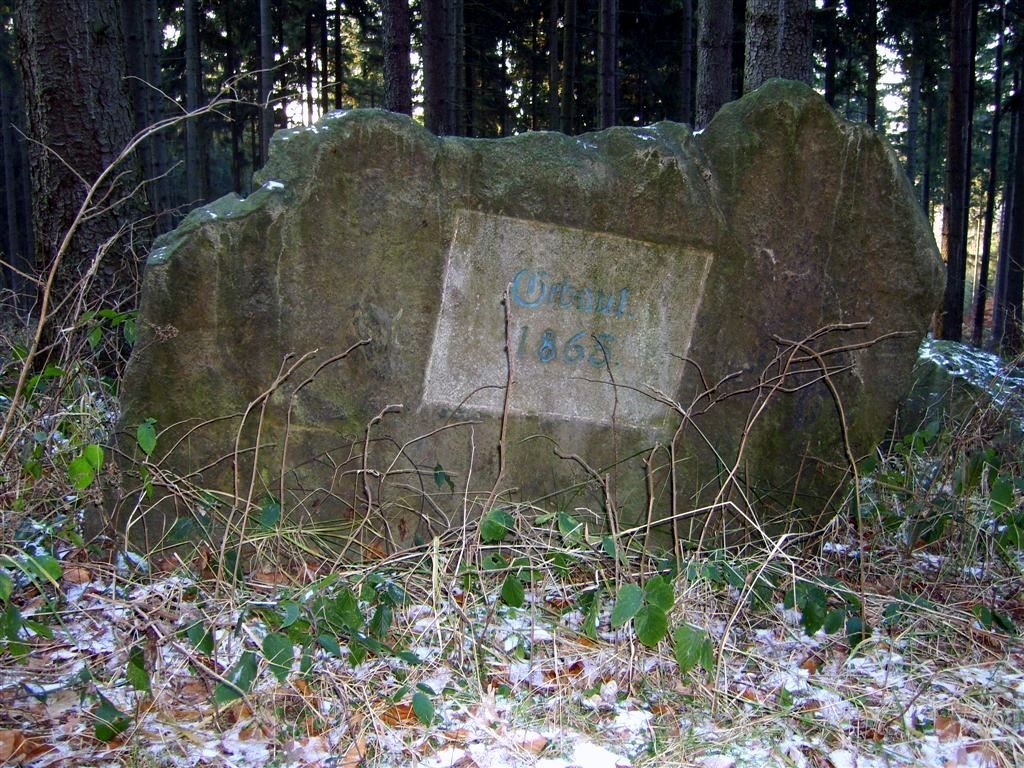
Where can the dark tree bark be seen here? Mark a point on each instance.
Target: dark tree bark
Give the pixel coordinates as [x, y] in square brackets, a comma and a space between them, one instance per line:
[1009, 294]
[73, 67]
[608, 46]
[456, 66]
[981, 283]
[916, 69]
[266, 79]
[397, 65]
[871, 58]
[714, 58]
[778, 41]
[569, 69]
[308, 66]
[339, 64]
[142, 49]
[830, 23]
[553, 70]
[324, 75]
[231, 64]
[435, 67]
[18, 261]
[958, 162]
[686, 66]
[194, 165]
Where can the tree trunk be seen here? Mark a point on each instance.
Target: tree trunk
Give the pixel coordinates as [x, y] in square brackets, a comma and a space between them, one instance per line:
[237, 126]
[714, 58]
[831, 23]
[926, 175]
[569, 69]
[916, 69]
[193, 101]
[778, 42]
[981, 283]
[73, 66]
[435, 67]
[871, 58]
[686, 66]
[1007, 311]
[339, 65]
[456, 65]
[324, 74]
[958, 159]
[16, 256]
[553, 72]
[266, 80]
[307, 56]
[608, 62]
[397, 65]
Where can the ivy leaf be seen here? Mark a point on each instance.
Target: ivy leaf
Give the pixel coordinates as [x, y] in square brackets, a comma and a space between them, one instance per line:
[81, 472]
[93, 454]
[145, 436]
[280, 652]
[136, 673]
[512, 592]
[423, 707]
[200, 637]
[442, 478]
[240, 677]
[496, 526]
[651, 625]
[627, 603]
[110, 721]
[270, 513]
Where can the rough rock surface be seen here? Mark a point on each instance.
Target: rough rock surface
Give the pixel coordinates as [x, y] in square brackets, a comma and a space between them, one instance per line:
[716, 320]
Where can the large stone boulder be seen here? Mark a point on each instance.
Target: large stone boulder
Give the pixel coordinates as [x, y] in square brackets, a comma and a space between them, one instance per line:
[397, 329]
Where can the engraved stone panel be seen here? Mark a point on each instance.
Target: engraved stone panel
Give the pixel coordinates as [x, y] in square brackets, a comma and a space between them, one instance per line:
[596, 322]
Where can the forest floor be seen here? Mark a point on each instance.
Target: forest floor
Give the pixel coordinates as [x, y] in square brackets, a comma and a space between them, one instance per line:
[524, 639]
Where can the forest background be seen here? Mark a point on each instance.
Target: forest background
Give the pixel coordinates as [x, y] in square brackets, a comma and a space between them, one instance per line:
[79, 78]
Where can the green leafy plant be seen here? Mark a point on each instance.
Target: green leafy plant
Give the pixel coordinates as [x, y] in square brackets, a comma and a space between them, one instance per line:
[647, 607]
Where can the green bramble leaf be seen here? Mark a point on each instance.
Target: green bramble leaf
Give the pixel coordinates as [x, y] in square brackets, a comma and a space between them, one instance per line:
[239, 680]
[627, 603]
[136, 672]
[650, 625]
[280, 652]
[423, 707]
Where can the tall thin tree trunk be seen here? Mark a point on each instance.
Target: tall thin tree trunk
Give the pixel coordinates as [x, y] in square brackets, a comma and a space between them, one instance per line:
[397, 64]
[831, 22]
[916, 68]
[714, 58]
[266, 79]
[607, 62]
[436, 58]
[686, 66]
[193, 101]
[456, 65]
[871, 56]
[15, 257]
[553, 72]
[324, 76]
[1006, 312]
[926, 176]
[569, 69]
[307, 60]
[954, 209]
[981, 283]
[237, 127]
[339, 65]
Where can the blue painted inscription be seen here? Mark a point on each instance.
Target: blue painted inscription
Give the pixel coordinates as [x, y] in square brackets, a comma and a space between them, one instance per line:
[530, 290]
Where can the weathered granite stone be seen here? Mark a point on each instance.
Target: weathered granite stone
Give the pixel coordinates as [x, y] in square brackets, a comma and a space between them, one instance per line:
[742, 307]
